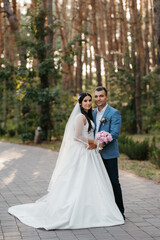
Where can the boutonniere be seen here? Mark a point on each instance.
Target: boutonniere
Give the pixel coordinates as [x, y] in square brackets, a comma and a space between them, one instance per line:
[104, 120]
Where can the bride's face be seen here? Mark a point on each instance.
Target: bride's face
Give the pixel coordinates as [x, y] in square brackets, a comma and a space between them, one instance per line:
[86, 103]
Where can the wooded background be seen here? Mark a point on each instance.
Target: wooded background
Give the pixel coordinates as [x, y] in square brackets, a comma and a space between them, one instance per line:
[52, 50]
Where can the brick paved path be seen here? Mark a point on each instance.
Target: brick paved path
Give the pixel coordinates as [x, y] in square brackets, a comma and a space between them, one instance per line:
[24, 176]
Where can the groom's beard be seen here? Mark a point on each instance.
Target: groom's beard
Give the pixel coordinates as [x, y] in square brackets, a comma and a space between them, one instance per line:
[101, 105]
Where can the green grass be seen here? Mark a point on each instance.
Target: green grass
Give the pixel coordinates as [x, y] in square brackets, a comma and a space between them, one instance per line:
[141, 168]
[141, 137]
[53, 145]
[10, 139]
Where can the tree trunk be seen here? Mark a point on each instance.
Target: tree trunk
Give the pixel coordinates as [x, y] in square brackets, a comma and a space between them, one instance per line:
[4, 105]
[157, 26]
[117, 56]
[95, 44]
[49, 8]
[137, 68]
[79, 47]
[86, 65]
[123, 35]
[45, 121]
[15, 29]
[67, 75]
[90, 68]
[109, 30]
[49, 38]
[152, 35]
[138, 96]
[147, 62]
[0, 35]
[6, 56]
[11, 16]
[102, 30]
[79, 67]
[14, 4]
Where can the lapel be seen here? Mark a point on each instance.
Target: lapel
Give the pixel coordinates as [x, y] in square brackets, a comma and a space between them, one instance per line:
[94, 119]
[104, 115]
[94, 116]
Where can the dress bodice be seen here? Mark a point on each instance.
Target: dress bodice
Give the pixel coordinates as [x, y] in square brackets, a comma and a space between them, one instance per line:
[85, 132]
[81, 129]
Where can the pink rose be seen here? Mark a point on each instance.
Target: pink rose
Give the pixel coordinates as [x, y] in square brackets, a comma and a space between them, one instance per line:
[104, 136]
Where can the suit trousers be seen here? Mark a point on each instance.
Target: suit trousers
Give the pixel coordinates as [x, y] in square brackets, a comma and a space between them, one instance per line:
[111, 166]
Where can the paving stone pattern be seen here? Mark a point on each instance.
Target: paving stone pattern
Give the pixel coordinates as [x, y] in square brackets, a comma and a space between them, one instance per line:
[25, 172]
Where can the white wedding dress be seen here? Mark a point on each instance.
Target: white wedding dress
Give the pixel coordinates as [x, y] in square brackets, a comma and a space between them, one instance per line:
[80, 193]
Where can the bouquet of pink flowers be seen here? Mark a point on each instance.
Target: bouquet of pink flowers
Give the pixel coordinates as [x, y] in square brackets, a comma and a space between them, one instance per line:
[104, 136]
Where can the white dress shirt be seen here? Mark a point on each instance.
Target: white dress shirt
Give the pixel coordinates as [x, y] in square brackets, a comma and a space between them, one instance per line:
[99, 117]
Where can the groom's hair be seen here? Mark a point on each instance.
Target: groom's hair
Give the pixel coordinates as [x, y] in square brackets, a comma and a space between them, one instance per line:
[101, 88]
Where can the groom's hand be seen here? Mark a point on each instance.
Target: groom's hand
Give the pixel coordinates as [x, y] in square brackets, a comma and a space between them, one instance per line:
[92, 146]
[101, 145]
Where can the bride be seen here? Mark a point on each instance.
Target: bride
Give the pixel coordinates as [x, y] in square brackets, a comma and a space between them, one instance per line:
[80, 194]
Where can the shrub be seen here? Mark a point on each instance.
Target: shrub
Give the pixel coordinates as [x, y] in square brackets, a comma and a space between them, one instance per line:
[155, 153]
[62, 108]
[21, 129]
[155, 128]
[26, 136]
[134, 150]
[11, 132]
[27, 125]
[2, 131]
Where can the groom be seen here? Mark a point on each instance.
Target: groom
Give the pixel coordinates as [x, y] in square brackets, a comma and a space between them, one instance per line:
[109, 119]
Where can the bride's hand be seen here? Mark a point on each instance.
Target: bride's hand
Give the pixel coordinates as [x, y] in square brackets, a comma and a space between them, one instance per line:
[101, 145]
[92, 146]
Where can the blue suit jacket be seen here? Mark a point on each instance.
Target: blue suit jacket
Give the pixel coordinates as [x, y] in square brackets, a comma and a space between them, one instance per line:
[113, 126]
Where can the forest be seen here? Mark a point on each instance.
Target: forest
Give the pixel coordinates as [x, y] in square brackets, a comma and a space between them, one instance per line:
[52, 50]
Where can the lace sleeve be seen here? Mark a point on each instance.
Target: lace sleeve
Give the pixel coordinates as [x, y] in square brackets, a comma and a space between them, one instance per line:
[79, 126]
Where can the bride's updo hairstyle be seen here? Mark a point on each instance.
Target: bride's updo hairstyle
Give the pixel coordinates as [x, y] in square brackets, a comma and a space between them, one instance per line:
[88, 114]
